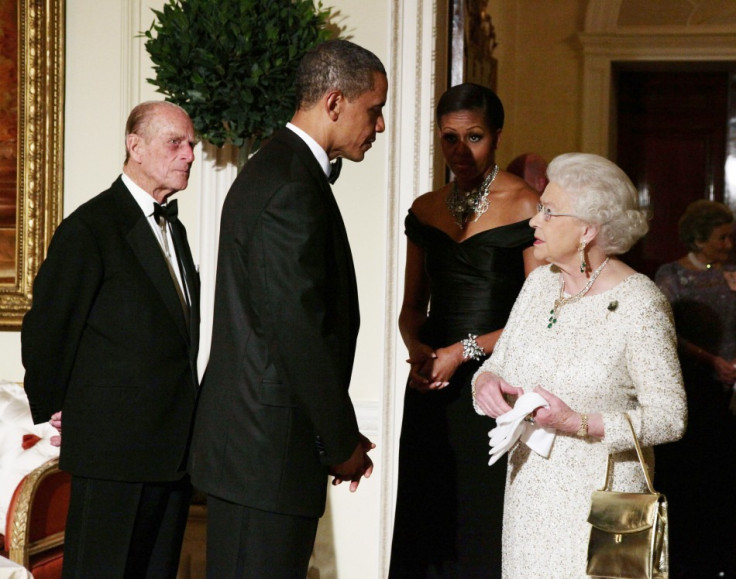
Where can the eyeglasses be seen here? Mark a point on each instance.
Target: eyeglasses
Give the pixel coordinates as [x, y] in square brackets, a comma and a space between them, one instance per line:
[547, 212]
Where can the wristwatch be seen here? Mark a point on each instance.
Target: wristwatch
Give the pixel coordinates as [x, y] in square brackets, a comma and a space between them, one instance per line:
[583, 430]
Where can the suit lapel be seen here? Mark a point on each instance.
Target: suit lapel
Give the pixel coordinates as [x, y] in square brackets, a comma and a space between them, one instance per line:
[147, 250]
[305, 155]
[149, 254]
[347, 255]
[192, 279]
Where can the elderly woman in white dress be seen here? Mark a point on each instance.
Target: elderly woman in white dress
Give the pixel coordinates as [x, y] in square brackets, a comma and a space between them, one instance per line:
[596, 340]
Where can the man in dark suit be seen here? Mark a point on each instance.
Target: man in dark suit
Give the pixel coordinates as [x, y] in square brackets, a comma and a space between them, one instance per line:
[111, 340]
[274, 417]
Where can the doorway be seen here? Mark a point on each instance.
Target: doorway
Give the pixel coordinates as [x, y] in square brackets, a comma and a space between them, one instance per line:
[671, 136]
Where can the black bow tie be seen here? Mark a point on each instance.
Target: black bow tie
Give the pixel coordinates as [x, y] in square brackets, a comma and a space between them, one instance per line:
[335, 172]
[170, 211]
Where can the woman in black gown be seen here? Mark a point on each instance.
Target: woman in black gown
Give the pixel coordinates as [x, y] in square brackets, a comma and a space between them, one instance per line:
[469, 248]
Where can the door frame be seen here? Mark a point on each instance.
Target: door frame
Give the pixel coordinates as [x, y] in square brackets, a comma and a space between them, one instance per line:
[604, 43]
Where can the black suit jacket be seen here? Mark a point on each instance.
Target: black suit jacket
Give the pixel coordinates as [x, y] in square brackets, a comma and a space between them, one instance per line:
[105, 341]
[274, 409]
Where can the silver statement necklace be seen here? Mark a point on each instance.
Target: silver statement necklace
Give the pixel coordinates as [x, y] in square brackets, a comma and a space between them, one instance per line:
[463, 205]
[562, 300]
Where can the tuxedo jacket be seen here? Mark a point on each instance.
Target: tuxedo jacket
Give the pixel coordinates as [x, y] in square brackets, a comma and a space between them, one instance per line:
[274, 409]
[106, 342]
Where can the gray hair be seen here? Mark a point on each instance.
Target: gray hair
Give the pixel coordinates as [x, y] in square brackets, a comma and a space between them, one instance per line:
[700, 219]
[140, 118]
[602, 195]
[335, 65]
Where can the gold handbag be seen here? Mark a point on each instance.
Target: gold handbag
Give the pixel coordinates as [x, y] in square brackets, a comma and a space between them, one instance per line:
[628, 535]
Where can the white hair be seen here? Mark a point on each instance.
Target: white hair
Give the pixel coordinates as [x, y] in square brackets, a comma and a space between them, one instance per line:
[602, 195]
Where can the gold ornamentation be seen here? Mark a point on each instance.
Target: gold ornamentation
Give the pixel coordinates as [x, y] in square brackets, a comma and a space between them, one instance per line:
[583, 430]
[21, 546]
[40, 148]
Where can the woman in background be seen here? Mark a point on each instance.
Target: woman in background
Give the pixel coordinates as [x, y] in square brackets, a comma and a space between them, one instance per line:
[701, 286]
[596, 341]
[468, 250]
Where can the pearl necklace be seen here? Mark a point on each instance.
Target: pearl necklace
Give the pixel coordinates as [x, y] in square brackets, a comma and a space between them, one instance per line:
[562, 300]
[473, 202]
[697, 263]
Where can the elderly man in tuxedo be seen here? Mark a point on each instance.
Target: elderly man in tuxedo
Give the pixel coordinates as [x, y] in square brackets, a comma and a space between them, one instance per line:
[111, 341]
[274, 416]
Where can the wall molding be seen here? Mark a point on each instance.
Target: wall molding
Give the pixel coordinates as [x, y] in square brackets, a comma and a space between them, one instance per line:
[413, 65]
[368, 413]
[604, 43]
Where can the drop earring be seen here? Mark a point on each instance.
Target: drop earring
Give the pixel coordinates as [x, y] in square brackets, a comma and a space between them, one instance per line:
[581, 251]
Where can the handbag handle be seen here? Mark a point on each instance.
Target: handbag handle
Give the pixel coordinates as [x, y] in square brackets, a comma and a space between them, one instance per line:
[641, 461]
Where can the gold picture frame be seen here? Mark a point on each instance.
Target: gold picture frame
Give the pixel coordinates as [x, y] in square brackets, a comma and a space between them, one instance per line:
[40, 148]
[473, 40]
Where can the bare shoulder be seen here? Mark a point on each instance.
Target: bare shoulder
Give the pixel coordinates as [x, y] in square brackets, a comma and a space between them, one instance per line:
[518, 196]
[427, 206]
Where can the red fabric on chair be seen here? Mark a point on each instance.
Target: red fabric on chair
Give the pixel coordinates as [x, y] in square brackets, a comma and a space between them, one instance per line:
[46, 517]
[50, 506]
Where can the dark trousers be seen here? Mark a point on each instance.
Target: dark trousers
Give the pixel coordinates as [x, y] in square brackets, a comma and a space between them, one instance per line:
[122, 530]
[245, 542]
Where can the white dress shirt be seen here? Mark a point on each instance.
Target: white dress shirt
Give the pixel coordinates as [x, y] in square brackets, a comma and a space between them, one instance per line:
[146, 202]
[318, 152]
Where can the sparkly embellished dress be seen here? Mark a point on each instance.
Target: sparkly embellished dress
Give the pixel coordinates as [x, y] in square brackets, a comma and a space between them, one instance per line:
[703, 463]
[449, 501]
[612, 353]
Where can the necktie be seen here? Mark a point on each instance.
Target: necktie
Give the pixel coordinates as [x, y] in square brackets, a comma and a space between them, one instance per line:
[162, 214]
[335, 172]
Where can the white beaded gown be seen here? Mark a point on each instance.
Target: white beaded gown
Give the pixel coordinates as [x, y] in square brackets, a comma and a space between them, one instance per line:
[612, 353]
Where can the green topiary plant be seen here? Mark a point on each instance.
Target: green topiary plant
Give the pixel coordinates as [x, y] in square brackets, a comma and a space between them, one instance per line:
[231, 63]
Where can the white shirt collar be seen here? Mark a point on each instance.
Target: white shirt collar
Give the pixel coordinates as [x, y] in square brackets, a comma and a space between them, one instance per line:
[318, 152]
[144, 199]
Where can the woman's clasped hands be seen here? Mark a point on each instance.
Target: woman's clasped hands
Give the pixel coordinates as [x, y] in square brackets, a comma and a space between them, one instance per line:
[432, 369]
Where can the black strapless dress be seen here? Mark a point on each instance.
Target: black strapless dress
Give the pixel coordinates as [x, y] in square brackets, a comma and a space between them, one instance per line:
[449, 505]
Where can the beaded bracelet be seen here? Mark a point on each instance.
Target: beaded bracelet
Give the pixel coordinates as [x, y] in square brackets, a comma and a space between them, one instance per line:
[471, 349]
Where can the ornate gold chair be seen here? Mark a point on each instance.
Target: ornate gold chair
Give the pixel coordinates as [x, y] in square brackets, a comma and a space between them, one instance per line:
[36, 519]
